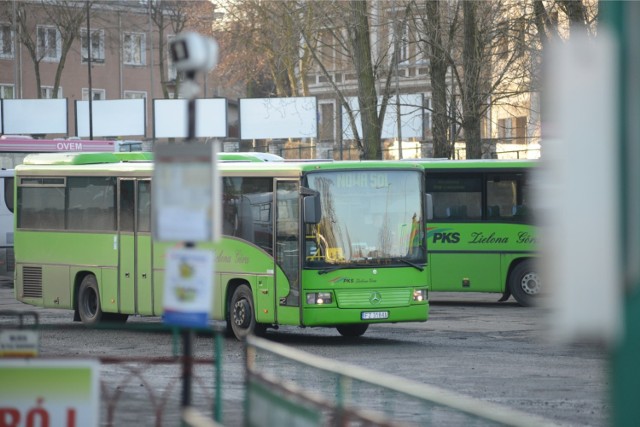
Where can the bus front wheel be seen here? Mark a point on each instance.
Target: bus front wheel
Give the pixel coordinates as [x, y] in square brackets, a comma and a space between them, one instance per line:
[352, 331]
[89, 301]
[242, 318]
[525, 283]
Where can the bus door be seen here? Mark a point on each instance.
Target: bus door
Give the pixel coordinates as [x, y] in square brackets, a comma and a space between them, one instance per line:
[134, 219]
[287, 235]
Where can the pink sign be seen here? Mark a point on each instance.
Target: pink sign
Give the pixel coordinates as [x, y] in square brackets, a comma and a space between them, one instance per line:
[25, 145]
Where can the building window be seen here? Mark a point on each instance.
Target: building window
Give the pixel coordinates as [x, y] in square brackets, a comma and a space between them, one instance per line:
[7, 92]
[172, 73]
[327, 45]
[6, 41]
[327, 122]
[96, 94]
[49, 43]
[135, 94]
[97, 46]
[521, 130]
[504, 130]
[513, 130]
[402, 34]
[133, 48]
[46, 92]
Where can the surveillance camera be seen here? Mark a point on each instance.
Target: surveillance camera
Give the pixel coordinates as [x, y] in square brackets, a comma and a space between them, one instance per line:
[191, 52]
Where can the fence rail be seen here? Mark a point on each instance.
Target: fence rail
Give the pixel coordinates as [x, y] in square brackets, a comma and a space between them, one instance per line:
[348, 394]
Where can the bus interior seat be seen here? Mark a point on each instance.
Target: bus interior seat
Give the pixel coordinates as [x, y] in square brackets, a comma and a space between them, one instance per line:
[493, 211]
[459, 211]
[519, 211]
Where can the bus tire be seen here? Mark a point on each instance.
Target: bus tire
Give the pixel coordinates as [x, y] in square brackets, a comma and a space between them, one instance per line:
[242, 318]
[89, 308]
[525, 283]
[352, 330]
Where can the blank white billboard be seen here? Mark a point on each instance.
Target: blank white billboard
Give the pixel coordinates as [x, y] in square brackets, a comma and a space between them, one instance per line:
[34, 116]
[170, 118]
[112, 117]
[411, 117]
[269, 118]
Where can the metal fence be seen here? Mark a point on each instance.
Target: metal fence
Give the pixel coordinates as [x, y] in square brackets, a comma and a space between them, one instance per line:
[135, 389]
[299, 388]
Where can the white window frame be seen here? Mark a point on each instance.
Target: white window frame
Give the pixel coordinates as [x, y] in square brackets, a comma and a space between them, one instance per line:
[172, 73]
[5, 29]
[45, 52]
[505, 127]
[47, 92]
[334, 119]
[428, 112]
[132, 42]
[3, 91]
[135, 94]
[97, 46]
[101, 94]
[403, 43]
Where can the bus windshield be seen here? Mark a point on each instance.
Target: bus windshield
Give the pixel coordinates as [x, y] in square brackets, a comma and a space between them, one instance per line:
[368, 218]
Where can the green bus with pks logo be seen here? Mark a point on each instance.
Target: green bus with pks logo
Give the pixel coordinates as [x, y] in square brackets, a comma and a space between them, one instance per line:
[308, 244]
[480, 231]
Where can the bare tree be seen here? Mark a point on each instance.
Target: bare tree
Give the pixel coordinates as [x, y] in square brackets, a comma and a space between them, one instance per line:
[438, 41]
[489, 63]
[472, 99]
[367, 95]
[169, 18]
[260, 42]
[341, 42]
[51, 42]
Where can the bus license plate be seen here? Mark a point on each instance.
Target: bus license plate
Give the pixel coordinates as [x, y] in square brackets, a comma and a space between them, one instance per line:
[374, 315]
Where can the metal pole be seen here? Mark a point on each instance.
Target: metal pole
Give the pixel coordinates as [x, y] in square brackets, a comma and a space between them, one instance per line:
[217, 411]
[89, 71]
[397, 42]
[621, 18]
[187, 366]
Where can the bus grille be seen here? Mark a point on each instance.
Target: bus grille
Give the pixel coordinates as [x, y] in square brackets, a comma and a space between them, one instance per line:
[31, 282]
[365, 298]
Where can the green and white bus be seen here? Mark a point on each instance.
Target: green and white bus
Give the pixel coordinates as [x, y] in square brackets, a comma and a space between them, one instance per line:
[7, 262]
[481, 237]
[332, 244]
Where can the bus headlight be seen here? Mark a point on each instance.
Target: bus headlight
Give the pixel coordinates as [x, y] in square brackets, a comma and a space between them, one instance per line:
[419, 294]
[319, 298]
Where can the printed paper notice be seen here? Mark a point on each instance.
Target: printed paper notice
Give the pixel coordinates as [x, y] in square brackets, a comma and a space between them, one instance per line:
[188, 287]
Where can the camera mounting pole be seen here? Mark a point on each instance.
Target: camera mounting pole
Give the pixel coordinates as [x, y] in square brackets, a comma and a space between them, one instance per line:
[192, 53]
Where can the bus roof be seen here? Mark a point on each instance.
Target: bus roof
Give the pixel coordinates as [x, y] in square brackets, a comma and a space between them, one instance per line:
[249, 157]
[141, 161]
[483, 164]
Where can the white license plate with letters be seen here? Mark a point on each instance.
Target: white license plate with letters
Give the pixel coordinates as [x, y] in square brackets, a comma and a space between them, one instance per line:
[374, 315]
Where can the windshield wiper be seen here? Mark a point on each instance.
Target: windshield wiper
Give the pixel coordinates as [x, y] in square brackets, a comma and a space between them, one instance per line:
[414, 265]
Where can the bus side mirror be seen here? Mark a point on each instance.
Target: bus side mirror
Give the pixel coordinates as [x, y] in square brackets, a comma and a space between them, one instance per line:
[311, 209]
[428, 202]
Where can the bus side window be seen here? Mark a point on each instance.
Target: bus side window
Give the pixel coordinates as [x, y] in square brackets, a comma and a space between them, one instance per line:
[126, 205]
[144, 206]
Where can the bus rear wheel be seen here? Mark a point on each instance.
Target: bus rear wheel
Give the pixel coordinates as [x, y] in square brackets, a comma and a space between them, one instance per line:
[352, 331]
[89, 308]
[525, 283]
[241, 316]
